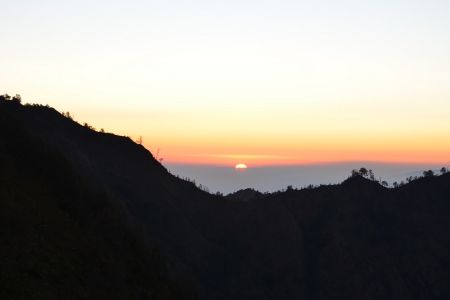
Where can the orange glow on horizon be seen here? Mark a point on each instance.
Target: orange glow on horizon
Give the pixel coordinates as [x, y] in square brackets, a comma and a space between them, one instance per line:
[412, 147]
[435, 158]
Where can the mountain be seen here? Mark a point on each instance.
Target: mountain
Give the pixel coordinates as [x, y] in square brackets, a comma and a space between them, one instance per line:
[87, 214]
[63, 236]
[244, 195]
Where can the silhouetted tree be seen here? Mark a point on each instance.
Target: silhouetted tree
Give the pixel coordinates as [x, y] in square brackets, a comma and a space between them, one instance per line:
[5, 97]
[88, 126]
[355, 173]
[203, 188]
[363, 172]
[395, 184]
[371, 175]
[384, 183]
[67, 115]
[428, 173]
[17, 98]
[444, 170]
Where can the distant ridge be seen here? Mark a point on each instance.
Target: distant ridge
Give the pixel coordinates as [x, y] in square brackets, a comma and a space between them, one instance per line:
[244, 195]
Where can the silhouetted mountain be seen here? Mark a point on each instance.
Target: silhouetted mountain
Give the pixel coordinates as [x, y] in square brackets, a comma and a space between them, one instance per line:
[63, 236]
[83, 212]
[244, 195]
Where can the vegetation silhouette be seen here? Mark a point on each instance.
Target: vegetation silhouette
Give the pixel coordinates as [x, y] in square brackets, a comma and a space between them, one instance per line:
[92, 215]
[62, 236]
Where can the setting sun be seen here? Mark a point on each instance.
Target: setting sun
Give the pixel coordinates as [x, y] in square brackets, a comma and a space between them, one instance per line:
[241, 167]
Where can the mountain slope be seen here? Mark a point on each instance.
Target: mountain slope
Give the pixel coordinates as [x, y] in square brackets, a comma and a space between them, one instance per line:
[63, 237]
[354, 240]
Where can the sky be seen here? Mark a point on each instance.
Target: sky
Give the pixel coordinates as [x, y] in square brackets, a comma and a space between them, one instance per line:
[265, 83]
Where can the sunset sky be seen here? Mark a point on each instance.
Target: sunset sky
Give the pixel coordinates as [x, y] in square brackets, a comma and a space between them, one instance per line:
[255, 82]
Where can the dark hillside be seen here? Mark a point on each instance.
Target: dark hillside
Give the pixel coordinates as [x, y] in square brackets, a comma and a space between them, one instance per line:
[356, 240]
[62, 237]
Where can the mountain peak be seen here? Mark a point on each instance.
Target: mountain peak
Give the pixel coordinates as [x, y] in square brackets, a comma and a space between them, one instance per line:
[358, 180]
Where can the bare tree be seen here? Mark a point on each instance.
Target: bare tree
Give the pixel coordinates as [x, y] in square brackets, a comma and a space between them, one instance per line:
[157, 157]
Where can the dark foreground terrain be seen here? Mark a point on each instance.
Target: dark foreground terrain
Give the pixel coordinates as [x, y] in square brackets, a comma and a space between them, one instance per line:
[91, 215]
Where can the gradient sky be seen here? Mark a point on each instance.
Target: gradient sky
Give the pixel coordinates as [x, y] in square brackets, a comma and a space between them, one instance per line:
[258, 82]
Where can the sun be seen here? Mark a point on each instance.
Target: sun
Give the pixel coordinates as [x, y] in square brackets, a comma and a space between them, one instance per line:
[240, 167]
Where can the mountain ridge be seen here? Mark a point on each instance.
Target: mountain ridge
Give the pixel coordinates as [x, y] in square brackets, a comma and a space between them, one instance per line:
[357, 239]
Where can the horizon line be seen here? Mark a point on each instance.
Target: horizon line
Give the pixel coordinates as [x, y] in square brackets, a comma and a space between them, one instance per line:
[306, 164]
